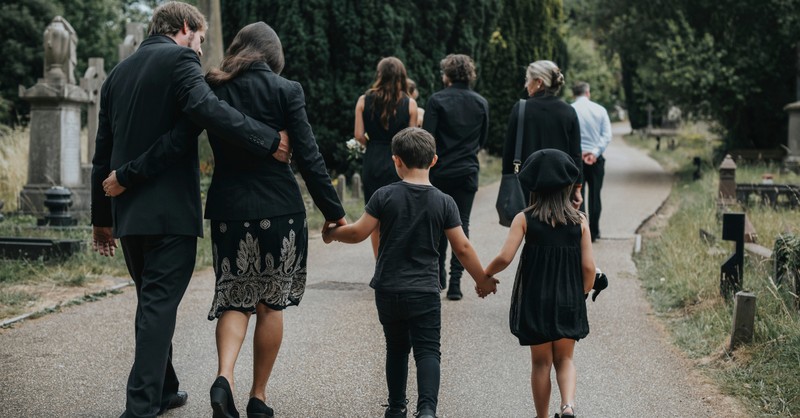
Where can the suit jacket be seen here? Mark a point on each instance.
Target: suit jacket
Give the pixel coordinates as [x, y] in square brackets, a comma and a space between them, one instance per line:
[246, 186]
[549, 123]
[140, 101]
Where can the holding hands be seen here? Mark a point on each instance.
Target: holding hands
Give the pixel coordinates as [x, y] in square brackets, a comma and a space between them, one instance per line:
[486, 286]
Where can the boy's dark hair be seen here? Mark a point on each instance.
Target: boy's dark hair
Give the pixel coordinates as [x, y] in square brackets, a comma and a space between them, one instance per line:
[168, 19]
[415, 146]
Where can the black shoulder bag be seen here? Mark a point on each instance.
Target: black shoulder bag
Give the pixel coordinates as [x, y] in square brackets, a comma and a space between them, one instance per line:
[510, 199]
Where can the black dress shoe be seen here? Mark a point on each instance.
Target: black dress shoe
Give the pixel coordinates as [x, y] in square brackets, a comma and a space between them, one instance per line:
[176, 400]
[454, 293]
[222, 399]
[256, 408]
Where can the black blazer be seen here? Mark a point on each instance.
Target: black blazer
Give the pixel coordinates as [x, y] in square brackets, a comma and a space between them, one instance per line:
[141, 100]
[246, 186]
[549, 123]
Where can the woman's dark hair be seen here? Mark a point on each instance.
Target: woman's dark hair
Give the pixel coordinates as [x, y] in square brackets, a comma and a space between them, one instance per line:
[458, 67]
[388, 88]
[256, 42]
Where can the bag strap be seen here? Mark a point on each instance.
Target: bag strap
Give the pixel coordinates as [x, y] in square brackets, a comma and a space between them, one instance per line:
[518, 145]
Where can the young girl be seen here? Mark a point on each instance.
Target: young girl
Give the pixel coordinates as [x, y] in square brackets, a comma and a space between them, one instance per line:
[556, 270]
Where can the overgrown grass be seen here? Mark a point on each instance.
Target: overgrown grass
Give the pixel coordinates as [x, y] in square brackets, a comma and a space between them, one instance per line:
[680, 272]
[14, 146]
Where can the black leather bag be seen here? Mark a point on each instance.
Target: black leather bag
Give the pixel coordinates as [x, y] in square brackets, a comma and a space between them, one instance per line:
[510, 198]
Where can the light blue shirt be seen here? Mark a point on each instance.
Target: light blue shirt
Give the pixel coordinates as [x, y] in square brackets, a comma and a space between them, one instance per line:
[595, 125]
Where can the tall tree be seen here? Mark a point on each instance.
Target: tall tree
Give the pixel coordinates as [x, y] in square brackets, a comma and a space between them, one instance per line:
[332, 47]
[732, 61]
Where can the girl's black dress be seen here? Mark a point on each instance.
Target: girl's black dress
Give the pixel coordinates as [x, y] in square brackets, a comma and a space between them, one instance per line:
[378, 169]
[547, 302]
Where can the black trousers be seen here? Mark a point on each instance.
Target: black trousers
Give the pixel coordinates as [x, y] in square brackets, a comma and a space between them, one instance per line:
[161, 266]
[412, 320]
[593, 176]
[462, 190]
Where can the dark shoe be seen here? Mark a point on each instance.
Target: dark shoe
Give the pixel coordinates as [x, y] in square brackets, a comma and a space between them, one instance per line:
[396, 412]
[454, 292]
[222, 399]
[176, 400]
[426, 413]
[256, 408]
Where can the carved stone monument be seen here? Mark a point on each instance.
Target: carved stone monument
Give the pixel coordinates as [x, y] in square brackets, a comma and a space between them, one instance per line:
[134, 35]
[92, 81]
[55, 149]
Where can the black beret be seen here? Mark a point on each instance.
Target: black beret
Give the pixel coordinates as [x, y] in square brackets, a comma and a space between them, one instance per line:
[548, 170]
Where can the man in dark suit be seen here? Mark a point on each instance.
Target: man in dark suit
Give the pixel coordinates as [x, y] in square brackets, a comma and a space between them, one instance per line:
[159, 222]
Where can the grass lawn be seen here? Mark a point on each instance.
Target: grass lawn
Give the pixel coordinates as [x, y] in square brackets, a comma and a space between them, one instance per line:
[680, 272]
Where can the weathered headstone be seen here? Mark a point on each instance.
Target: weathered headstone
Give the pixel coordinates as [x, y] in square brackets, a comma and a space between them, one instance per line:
[744, 315]
[792, 160]
[356, 192]
[134, 35]
[92, 81]
[55, 146]
[727, 180]
[341, 186]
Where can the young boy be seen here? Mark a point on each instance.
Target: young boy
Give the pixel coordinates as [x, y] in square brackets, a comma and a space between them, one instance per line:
[412, 215]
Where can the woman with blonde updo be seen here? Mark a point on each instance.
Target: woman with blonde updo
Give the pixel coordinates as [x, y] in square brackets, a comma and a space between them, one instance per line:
[549, 121]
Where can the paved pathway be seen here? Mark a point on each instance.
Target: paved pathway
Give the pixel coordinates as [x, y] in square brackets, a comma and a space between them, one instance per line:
[75, 363]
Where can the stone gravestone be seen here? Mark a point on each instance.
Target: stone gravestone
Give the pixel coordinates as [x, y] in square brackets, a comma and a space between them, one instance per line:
[92, 81]
[792, 160]
[54, 158]
[134, 35]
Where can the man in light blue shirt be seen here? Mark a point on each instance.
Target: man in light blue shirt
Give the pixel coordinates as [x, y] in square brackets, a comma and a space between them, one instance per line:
[595, 136]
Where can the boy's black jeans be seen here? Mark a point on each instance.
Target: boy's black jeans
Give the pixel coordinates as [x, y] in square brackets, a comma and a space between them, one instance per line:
[411, 320]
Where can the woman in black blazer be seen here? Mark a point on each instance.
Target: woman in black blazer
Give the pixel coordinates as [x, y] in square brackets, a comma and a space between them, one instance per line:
[549, 121]
[258, 220]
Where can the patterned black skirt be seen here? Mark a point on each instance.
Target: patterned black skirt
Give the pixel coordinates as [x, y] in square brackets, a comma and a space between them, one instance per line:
[259, 261]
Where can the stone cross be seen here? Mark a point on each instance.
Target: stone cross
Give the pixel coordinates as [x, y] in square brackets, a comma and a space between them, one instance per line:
[92, 80]
[134, 35]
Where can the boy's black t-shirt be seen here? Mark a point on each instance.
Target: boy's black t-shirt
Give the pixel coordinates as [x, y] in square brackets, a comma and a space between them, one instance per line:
[413, 218]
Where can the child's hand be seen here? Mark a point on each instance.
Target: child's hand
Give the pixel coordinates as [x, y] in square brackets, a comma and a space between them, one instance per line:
[328, 227]
[486, 286]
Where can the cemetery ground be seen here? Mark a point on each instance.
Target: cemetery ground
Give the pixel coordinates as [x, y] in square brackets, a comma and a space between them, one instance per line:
[678, 271]
[680, 267]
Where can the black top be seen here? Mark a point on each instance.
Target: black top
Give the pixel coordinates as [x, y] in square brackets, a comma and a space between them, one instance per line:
[547, 301]
[549, 123]
[378, 168]
[413, 219]
[141, 100]
[245, 186]
[459, 120]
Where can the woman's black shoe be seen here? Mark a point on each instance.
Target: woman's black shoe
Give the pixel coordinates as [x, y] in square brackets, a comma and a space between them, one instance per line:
[256, 408]
[222, 399]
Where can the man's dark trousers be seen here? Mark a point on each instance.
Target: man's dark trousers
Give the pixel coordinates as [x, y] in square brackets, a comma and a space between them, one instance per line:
[412, 320]
[161, 267]
[462, 190]
[593, 176]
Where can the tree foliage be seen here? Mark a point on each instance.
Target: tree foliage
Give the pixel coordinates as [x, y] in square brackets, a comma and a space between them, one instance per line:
[332, 47]
[22, 24]
[732, 61]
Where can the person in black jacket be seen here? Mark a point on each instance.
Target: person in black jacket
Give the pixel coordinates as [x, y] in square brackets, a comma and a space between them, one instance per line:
[549, 121]
[258, 222]
[159, 222]
[458, 118]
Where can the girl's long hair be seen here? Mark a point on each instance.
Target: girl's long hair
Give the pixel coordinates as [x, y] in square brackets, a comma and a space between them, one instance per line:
[256, 42]
[554, 208]
[389, 88]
